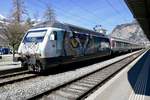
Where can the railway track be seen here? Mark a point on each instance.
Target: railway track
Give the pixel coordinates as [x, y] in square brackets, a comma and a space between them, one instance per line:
[11, 71]
[81, 87]
[14, 74]
[16, 77]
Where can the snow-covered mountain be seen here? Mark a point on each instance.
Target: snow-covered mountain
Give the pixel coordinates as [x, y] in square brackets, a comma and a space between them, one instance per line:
[130, 31]
[3, 40]
[2, 17]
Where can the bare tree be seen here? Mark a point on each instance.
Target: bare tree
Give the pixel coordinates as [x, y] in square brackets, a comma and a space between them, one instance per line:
[49, 14]
[14, 33]
[29, 23]
[36, 16]
[14, 29]
[18, 10]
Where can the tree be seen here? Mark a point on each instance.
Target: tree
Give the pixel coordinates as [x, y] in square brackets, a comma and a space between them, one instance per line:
[36, 16]
[29, 23]
[18, 10]
[14, 33]
[49, 14]
[15, 27]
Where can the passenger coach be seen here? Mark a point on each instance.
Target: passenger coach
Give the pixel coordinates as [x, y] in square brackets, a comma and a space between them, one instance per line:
[121, 45]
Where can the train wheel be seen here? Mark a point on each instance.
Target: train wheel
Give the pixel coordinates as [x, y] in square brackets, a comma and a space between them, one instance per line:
[24, 64]
[38, 67]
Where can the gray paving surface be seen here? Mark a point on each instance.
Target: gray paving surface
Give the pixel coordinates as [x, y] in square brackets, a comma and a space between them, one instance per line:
[131, 84]
[26, 89]
[7, 63]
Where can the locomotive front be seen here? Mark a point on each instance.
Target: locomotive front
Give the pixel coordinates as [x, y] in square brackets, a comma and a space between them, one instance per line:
[31, 48]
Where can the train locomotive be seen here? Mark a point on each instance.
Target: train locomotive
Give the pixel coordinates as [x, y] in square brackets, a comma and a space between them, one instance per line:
[49, 44]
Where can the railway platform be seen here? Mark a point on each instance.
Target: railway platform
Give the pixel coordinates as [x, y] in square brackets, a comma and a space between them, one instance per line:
[9, 65]
[132, 83]
[6, 63]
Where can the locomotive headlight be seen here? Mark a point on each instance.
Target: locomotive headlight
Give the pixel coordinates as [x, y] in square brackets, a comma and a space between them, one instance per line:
[19, 53]
[37, 55]
[37, 49]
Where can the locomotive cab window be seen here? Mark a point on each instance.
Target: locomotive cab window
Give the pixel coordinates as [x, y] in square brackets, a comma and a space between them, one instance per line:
[35, 36]
[53, 36]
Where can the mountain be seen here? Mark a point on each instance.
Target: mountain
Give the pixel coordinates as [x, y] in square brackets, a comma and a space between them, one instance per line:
[3, 40]
[2, 17]
[130, 31]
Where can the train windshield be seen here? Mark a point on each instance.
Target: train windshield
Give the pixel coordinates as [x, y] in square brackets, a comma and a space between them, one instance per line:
[35, 36]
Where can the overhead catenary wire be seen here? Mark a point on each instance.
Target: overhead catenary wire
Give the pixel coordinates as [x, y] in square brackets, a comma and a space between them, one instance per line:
[94, 15]
[72, 14]
[72, 17]
[87, 11]
[114, 8]
[78, 18]
[124, 6]
[66, 15]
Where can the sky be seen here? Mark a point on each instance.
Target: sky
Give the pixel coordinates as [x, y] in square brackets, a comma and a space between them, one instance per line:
[84, 13]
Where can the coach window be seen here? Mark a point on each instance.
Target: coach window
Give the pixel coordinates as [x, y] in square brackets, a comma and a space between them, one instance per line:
[53, 35]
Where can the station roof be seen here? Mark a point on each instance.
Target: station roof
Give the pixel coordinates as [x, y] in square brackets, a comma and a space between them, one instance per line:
[141, 12]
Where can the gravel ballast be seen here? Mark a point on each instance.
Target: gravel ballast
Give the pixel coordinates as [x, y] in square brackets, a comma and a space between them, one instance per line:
[28, 88]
